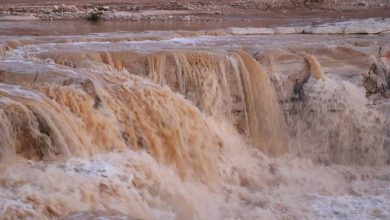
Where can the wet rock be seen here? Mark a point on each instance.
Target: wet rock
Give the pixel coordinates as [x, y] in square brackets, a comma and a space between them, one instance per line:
[251, 31]
[288, 72]
[324, 29]
[367, 26]
[378, 79]
[289, 30]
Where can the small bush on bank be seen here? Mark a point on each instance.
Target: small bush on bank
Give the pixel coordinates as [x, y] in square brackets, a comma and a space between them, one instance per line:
[94, 16]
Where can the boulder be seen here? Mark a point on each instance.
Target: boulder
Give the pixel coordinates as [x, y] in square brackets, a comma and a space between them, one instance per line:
[378, 79]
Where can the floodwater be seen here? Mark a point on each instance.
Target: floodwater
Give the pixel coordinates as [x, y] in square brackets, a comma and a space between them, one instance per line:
[236, 19]
[109, 121]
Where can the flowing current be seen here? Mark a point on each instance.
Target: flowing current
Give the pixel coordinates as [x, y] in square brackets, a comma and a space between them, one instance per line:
[187, 125]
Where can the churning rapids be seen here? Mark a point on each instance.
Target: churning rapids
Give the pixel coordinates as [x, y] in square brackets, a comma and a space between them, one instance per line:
[194, 125]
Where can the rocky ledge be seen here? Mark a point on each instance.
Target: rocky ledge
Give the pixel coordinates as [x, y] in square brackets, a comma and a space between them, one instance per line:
[366, 26]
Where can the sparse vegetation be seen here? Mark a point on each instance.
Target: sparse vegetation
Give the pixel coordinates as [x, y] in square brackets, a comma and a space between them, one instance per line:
[94, 16]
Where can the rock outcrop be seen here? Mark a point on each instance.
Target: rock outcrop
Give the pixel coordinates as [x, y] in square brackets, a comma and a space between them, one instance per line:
[378, 79]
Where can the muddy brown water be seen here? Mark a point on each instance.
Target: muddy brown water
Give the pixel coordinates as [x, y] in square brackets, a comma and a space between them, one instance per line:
[235, 19]
[122, 120]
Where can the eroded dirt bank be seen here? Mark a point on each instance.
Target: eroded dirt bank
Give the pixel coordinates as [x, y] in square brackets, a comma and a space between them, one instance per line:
[142, 10]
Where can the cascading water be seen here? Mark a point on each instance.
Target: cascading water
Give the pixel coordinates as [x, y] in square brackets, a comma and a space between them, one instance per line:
[152, 132]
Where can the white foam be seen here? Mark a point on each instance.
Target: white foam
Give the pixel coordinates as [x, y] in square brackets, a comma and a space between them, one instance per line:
[183, 40]
[91, 167]
[351, 207]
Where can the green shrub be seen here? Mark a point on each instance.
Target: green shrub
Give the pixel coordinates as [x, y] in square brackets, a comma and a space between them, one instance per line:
[94, 16]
